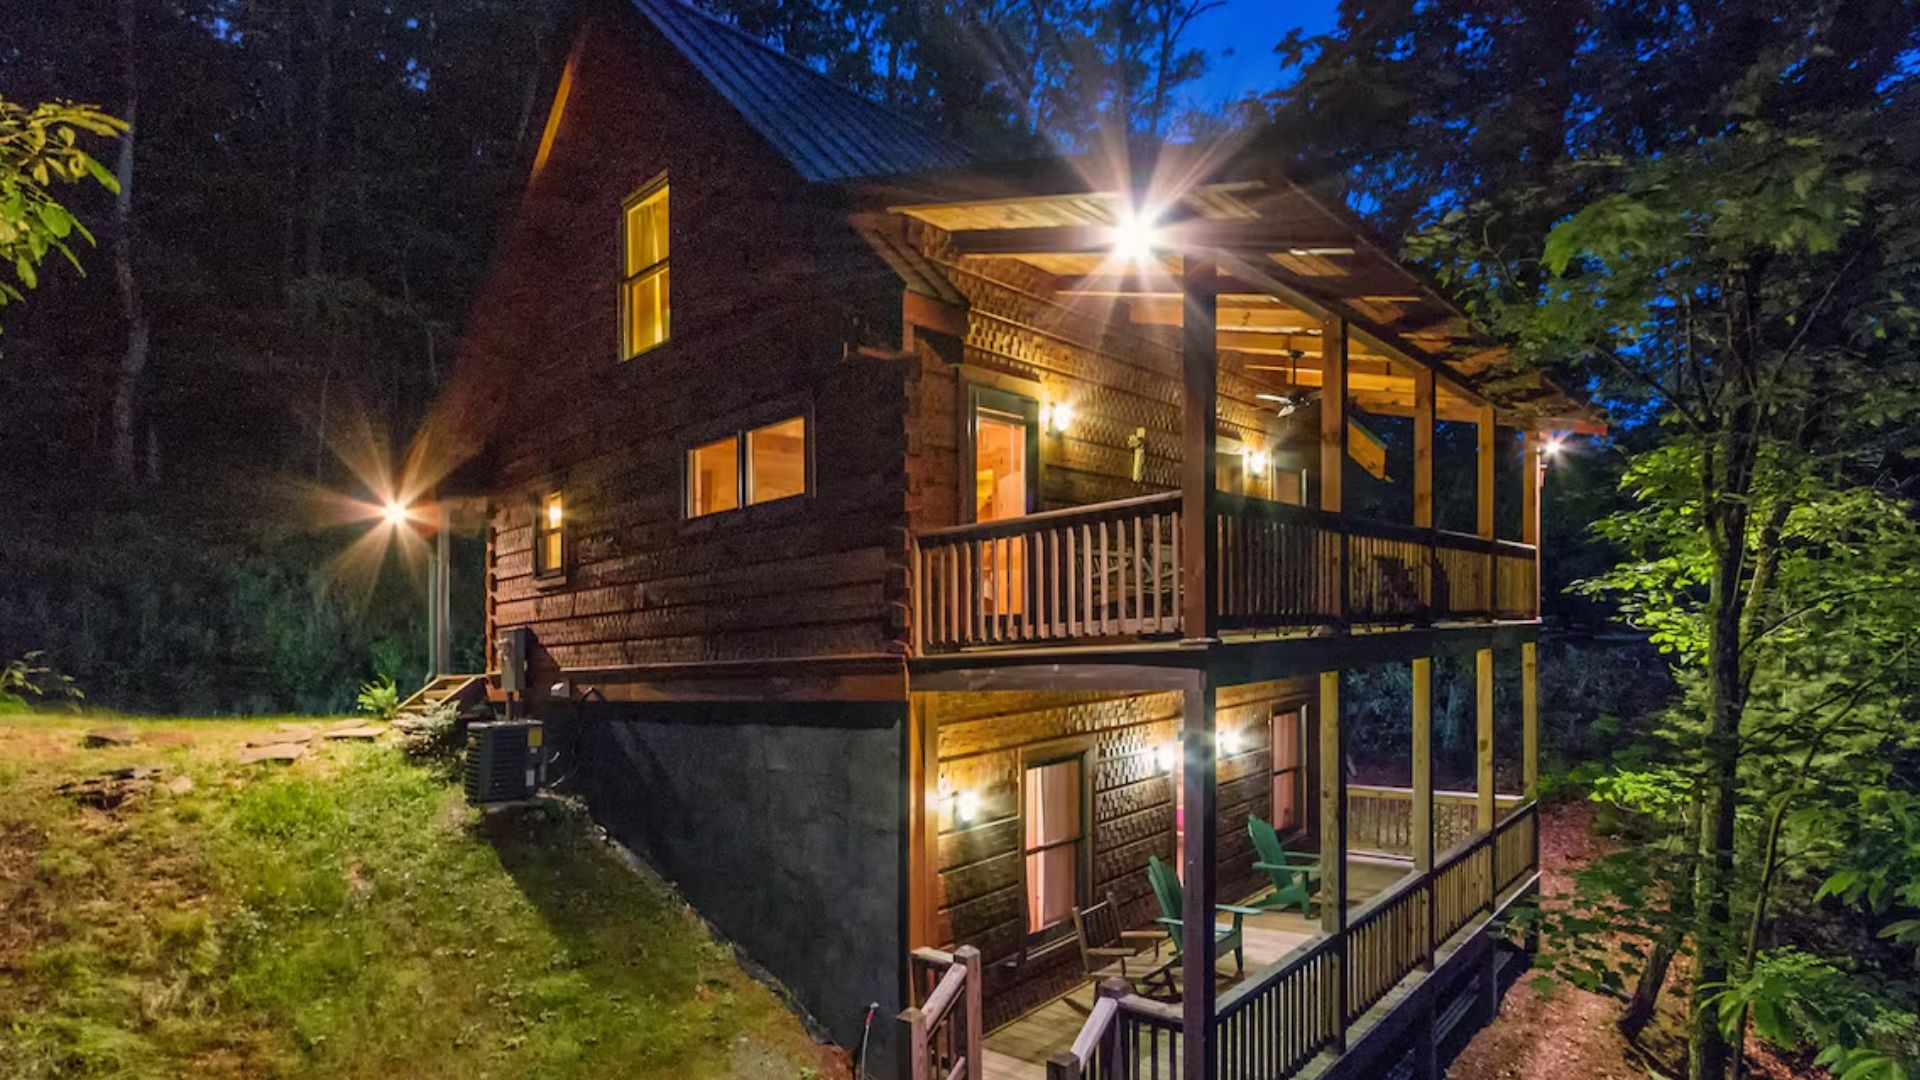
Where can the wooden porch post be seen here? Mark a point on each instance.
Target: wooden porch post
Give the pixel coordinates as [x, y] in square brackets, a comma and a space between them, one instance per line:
[1483, 500]
[1483, 741]
[1423, 840]
[1530, 717]
[1530, 484]
[1202, 890]
[1333, 436]
[923, 785]
[1333, 838]
[1423, 391]
[1199, 503]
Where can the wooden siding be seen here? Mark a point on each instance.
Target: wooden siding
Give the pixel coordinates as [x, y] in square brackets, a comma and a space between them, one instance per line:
[1024, 337]
[982, 741]
[771, 296]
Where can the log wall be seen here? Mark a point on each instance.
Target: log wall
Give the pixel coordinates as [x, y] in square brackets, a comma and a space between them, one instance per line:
[769, 291]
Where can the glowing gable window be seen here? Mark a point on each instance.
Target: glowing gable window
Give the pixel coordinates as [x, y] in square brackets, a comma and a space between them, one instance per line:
[645, 313]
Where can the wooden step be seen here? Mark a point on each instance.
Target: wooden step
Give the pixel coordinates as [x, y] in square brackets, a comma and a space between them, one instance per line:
[440, 690]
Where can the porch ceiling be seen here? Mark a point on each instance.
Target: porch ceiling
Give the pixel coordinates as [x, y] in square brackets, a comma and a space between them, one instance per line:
[1286, 262]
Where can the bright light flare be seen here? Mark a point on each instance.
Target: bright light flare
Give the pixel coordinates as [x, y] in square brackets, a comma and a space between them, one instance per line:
[1137, 235]
[1553, 447]
[395, 513]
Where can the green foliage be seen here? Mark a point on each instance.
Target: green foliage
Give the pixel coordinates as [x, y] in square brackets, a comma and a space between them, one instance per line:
[26, 680]
[1879, 863]
[39, 149]
[379, 698]
[1798, 999]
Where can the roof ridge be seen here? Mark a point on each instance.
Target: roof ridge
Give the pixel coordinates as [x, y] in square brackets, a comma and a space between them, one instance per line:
[797, 64]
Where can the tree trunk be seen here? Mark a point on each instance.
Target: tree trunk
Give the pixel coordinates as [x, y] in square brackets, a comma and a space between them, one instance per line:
[1726, 488]
[1646, 993]
[133, 361]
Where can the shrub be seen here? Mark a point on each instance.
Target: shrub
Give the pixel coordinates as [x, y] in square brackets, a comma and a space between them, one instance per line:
[379, 698]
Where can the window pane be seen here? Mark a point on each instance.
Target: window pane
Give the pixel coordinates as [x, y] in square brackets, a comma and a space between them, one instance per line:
[548, 549]
[647, 232]
[1286, 739]
[1052, 886]
[647, 311]
[1286, 800]
[1053, 803]
[777, 461]
[713, 473]
[1000, 458]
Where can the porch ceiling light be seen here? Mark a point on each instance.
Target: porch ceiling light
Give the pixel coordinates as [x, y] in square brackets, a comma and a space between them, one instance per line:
[395, 513]
[1136, 235]
[1552, 447]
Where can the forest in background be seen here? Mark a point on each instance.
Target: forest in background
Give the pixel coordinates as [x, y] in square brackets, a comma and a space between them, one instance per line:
[1703, 215]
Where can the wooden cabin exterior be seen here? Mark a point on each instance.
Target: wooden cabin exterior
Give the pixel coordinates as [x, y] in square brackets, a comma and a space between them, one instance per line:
[901, 565]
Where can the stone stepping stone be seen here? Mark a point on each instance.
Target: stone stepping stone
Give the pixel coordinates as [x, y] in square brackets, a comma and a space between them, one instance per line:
[287, 751]
[364, 731]
[118, 735]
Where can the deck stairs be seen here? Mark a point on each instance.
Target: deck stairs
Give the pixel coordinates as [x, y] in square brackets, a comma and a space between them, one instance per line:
[464, 689]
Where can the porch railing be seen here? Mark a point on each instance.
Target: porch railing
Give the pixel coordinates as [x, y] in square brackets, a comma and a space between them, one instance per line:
[1112, 570]
[1380, 818]
[1272, 1026]
[944, 1030]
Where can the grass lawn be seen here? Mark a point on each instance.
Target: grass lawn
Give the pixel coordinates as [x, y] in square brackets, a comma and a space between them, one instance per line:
[343, 916]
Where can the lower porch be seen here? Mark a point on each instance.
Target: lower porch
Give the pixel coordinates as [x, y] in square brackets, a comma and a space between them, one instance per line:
[1042, 805]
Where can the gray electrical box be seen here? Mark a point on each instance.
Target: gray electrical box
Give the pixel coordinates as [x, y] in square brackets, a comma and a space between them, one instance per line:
[512, 646]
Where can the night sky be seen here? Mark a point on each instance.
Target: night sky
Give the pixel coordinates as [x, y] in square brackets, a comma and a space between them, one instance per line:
[1240, 37]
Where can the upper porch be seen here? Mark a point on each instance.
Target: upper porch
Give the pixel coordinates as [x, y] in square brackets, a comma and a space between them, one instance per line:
[1148, 407]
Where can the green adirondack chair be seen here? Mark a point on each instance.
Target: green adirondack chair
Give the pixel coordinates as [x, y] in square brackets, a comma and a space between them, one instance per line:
[1166, 889]
[1294, 876]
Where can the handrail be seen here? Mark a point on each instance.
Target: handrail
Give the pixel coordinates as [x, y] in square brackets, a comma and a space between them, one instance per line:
[1115, 570]
[944, 1032]
[1028, 522]
[1110, 1033]
[1391, 791]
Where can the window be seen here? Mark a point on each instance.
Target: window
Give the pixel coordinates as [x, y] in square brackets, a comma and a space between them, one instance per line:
[777, 461]
[1053, 800]
[644, 308]
[713, 477]
[1289, 778]
[549, 535]
[773, 467]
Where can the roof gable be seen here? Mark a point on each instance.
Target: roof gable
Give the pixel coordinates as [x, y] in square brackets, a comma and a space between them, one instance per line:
[824, 130]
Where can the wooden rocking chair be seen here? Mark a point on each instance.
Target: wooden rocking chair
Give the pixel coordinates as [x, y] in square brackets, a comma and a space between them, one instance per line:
[1108, 951]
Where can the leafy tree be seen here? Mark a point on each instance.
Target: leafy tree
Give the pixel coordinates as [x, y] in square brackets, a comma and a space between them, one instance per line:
[1751, 290]
[40, 148]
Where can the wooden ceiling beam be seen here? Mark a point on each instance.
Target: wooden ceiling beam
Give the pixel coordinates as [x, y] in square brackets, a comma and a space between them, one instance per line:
[1191, 233]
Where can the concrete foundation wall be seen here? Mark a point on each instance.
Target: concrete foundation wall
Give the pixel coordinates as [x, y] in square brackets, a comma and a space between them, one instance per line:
[783, 825]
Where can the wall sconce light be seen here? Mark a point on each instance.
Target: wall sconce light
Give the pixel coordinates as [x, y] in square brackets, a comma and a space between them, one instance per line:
[1258, 460]
[1551, 448]
[1167, 756]
[1058, 418]
[966, 806]
[1229, 742]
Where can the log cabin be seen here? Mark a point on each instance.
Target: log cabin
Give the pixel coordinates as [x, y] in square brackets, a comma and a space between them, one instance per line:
[909, 547]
